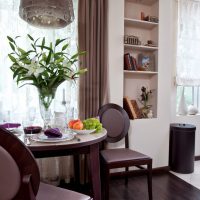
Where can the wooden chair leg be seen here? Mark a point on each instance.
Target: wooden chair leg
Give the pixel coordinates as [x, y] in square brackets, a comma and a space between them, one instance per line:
[105, 183]
[126, 177]
[149, 180]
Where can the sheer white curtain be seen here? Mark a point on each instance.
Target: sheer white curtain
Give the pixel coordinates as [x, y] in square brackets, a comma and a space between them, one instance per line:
[188, 43]
[16, 102]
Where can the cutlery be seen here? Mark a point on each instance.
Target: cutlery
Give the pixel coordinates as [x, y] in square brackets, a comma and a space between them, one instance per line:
[27, 141]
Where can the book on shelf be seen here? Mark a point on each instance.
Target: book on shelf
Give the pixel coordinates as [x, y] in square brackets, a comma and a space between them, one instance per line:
[129, 62]
[131, 107]
[134, 63]
[128, 107]
[136, 109]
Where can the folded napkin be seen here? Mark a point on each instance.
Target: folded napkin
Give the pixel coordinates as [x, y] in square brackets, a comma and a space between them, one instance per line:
[10, 125]
[53, 133]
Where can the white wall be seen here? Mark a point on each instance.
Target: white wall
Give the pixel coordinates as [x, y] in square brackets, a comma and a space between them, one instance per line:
[115, 49]
[150, 136]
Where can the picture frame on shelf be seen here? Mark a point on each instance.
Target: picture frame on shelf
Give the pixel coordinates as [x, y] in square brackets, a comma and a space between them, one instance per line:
[146, 62]
[136, 109]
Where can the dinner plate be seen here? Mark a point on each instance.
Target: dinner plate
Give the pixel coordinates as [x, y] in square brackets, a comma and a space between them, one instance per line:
[83, 131]
[15, 131]
[43, 138]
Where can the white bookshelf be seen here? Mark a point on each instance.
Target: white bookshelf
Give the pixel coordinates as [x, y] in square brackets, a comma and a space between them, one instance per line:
[140, 23]
[145, 31]
[147, 73]
[141, 47]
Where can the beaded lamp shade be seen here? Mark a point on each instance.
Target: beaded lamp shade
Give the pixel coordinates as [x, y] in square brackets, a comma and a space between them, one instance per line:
[47, 13]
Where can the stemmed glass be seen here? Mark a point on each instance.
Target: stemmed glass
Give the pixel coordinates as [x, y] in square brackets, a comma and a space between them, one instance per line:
[28, 123]
[31, 114]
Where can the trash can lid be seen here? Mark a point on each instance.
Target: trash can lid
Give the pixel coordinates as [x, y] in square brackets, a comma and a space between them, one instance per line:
[185, 127]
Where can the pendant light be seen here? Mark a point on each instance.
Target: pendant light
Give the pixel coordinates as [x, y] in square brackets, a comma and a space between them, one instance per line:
[47, 13]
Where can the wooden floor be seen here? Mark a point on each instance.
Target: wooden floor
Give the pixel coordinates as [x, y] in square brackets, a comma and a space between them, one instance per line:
[165, 187]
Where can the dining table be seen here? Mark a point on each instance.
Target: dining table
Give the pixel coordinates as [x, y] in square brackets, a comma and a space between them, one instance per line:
[79, 144]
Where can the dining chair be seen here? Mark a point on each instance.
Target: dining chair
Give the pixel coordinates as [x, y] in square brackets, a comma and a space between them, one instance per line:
[20, 177]
[116, 121]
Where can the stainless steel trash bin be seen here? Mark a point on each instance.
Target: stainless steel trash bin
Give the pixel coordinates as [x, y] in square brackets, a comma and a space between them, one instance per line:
[181, 148]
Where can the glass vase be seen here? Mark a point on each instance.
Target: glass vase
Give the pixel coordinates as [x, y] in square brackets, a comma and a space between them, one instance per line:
[46, 97]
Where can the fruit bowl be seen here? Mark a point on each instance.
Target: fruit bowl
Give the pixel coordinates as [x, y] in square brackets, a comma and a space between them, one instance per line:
[84, 131]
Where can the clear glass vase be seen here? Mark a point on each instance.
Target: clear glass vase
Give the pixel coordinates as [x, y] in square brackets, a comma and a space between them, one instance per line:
[46, 97]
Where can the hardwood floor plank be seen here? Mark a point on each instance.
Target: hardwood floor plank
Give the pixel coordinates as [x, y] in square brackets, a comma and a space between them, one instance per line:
[165, 187]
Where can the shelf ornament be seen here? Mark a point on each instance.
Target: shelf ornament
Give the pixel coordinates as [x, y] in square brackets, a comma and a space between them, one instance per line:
[144, 100]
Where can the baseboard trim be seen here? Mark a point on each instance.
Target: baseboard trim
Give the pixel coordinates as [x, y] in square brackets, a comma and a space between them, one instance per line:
[160, 170]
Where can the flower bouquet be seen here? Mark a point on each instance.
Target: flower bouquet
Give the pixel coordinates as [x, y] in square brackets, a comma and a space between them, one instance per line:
[45, 67]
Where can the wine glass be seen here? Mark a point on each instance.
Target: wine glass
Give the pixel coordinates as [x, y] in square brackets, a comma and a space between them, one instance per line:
[60, 121]
[31, 114]
[28, 122]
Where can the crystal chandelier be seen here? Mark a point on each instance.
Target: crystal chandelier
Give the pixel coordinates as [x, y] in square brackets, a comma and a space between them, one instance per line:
[47, 13]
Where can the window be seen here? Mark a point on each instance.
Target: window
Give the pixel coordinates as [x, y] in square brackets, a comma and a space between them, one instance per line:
[188, 46]
[15, 102]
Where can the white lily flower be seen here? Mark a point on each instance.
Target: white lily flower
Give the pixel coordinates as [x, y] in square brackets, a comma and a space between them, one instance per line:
[66, 63]
[34, 68]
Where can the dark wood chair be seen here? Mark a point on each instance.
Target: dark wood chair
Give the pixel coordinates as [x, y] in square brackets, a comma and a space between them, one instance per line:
[19, 174]
[116, 121]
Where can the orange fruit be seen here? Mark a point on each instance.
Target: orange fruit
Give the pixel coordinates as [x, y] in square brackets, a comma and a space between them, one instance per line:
[78, 125]
[72, 122]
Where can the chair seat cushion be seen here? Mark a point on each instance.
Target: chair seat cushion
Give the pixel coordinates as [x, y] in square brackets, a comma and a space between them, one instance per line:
[50, 192]
[119, 155]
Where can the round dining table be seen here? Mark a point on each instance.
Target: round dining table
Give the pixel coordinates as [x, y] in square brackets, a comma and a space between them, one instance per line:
[80, 144]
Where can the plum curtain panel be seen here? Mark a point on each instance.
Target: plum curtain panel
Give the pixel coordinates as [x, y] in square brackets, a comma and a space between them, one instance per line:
[188, 43]
[92, 38]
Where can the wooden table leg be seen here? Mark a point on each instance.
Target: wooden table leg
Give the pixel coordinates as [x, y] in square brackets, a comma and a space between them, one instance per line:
[76, 169]
[95, 171]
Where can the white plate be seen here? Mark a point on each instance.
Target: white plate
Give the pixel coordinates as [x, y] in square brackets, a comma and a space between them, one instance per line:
[83, 131]
[15, 131]
[43, 138]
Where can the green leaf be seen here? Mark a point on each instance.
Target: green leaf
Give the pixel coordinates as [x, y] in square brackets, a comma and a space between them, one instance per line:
[58, 41]
[17, 37]
[17, 72]
[26, 61]
[12, 58]
[10, 39]
[30, 37]
[75, 56]
[48, 58]
[51, 83]
[12, 46]
[81, 71]
[82, 53]
[65, 47]
[61, 59]
[36, 41]
[27, 84]
[45, 47]
[21, 50]
[44, 57]
[43, 42]
[33, 47]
